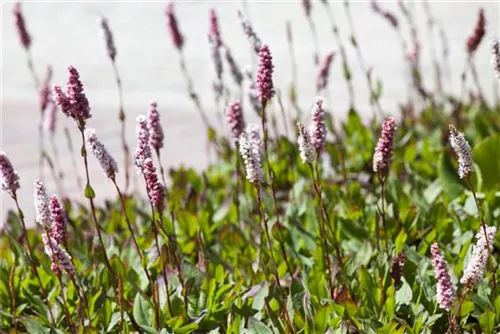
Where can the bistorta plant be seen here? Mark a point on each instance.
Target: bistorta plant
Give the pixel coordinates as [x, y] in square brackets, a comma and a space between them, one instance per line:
[233, 249]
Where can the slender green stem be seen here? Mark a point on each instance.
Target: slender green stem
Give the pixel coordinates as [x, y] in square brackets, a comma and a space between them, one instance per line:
[326, 251]
[137, 248]
[275, 267]
[381, 180]
[453, 320]
[98, 227]
[12, 292]
[122, 118]
[178, 261]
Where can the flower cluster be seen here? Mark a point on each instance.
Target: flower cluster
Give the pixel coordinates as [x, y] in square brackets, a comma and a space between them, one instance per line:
[58, 256]
[250, 33]
[318, 126]
[306, 147]
[477, 36]
[24, 36]
[383, 151]
[107, 35]
[474, 271]
[390, 17]
[324, 71]
[156, 190]
[59, 226]
[445, 291]
[143, 150]
[73, 103]
[235, 119]
[106, 161]
[10, 179]
[173, 27]
[495, 59]
[264, 79]
[306, 4]
[50, 119]
[463, 151]
[251, 152]
[154, 127]
[214, 28]
[42, 210]
[397, 265]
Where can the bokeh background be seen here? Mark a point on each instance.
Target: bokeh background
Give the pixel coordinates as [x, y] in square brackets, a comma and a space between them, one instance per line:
[67, 33]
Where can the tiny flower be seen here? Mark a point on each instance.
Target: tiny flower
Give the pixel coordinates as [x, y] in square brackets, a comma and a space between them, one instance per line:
[318, 126]
[474, 271]
[42, 209]
[24, 36]
[251, 158]
[264, 79]
[477, 36]
[463, 151]
[59, 257]
[324, 71]
[235, 119]
[10, 179]
[106, 161]
[250, 33]
[306, 147]
[383, 151]
[107, 35]
[143, 150]
[156, 190]
[495, 60]
[414, 53]
[173, 27]
[154, 127]
[233, 67]
[50, 119]
[445, 293]
[59, 228]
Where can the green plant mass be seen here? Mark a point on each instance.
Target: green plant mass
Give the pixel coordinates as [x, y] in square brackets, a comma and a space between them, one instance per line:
[361, 225]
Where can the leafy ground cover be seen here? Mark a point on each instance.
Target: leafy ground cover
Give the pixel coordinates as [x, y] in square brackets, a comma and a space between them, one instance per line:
[280, 235]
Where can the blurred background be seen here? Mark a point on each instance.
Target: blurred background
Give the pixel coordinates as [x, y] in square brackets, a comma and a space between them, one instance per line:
[65, 33]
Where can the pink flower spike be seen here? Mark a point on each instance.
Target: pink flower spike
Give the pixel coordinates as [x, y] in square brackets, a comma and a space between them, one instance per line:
[10, 179]
[62, 100]
[143, 150]
[383, 151]
[80, 108]
[318, 126]
[214, 28]
[59, 221]
[265, 75]
[22, 32]
[173, 27]
[107, 35]
[235, 119]
[42, 209]
[324, 71]
[156, 190]
[154, 126]
[50, 119]
[58, 256]
[106, 161]
[445, 292]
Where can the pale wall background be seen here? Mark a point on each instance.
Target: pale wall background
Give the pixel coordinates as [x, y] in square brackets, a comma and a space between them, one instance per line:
[67, 33]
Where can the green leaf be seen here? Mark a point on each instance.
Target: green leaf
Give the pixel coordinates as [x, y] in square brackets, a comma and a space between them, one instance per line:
[33, 326]
[257, 327]
[487, 322]
[486, 154]
[321, 319]
[143, 314]
[448, 177]
[89, 192]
